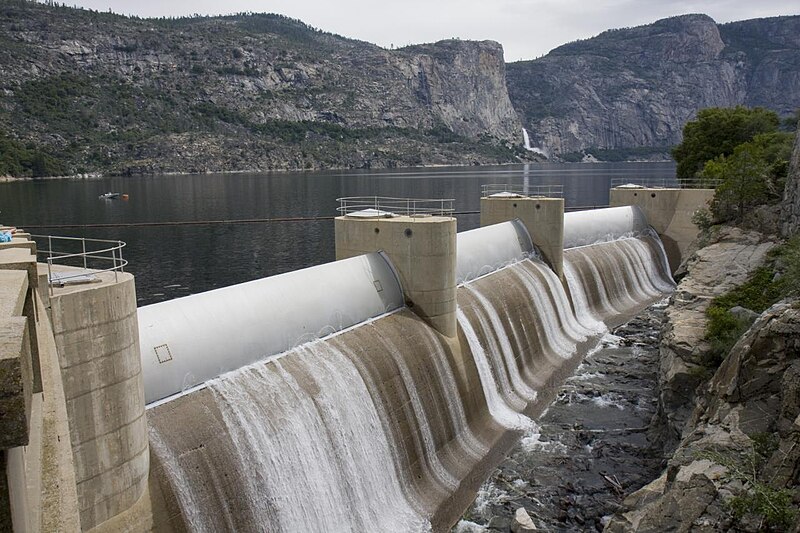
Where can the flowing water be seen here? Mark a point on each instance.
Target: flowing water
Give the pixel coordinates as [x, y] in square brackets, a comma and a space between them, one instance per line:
[389, 426]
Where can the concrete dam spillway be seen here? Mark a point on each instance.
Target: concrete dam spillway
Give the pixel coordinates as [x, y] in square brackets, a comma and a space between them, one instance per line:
[350, 409]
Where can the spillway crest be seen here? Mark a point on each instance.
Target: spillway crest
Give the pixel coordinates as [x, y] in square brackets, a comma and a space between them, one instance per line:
[389, 426]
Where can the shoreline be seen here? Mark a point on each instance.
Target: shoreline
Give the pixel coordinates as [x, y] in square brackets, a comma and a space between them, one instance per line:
[100, 175]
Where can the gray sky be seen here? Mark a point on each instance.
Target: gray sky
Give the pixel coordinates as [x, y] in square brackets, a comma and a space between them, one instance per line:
[526, 28]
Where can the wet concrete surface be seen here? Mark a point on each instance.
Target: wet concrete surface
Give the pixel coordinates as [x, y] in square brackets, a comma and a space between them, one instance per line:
[592, 446]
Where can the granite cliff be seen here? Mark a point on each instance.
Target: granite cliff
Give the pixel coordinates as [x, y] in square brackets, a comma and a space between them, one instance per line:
[791, 196]
[250, 92]
[637, 87]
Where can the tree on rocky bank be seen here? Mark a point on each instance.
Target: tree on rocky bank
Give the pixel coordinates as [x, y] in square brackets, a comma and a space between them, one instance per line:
[741, 152]
[717, 132]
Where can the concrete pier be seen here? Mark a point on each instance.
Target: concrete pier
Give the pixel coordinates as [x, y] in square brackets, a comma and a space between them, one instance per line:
[542, 217]
[97, 337]
[423, 252]
[669, 212]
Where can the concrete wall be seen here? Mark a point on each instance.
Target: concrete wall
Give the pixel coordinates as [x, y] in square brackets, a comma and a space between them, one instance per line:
[96, 333]
[670, 212]
[24, 259]
[542, 217]
[16, 384]
[422, 250]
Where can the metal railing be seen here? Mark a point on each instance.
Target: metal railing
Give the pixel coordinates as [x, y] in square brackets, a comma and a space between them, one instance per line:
[90, 252]
[503, 189]
[665, 183]
[571, 208]
[384, 206]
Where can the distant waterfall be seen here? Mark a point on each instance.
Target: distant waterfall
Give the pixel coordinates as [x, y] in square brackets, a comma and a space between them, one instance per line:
[388, 426]
[527, 140]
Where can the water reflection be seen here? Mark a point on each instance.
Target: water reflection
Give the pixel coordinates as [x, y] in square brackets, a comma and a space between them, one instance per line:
[172, 261]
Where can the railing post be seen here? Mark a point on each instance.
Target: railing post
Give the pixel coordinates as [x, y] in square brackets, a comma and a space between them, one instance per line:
[121, 261]
[50, 274]
[114, 258]
[83, 242]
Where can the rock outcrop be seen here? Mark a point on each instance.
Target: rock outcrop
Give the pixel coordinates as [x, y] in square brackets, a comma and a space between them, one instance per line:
[739, 466]
[637, 87]
[245, 92]
[791, 198]
[726, 262]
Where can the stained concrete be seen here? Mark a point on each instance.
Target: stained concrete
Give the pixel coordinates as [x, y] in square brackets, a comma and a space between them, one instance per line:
[670, 212]
[96, 333]
[542, 217]
[37, 490]
[15, 382]
[13, 290]
[22, 259]
[423, 252]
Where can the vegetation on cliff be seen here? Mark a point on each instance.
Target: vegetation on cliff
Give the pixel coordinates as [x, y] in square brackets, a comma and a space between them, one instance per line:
[17, 159]
[717, 132]
[777, 279]
[741, 152]
[102, 92]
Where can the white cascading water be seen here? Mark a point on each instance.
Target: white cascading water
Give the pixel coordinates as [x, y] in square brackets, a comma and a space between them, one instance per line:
[583, 328]
[316, 462]
[432, 463]
[455, 408]
[625, 274]
[495, 336]
[527, 140]
[498, 337]
[317, 435]
[501, 411]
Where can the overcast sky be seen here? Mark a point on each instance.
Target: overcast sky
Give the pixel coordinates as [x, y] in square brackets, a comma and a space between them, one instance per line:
[526, 28]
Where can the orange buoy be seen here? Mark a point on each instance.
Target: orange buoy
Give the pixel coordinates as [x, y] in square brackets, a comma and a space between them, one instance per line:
[124, 196]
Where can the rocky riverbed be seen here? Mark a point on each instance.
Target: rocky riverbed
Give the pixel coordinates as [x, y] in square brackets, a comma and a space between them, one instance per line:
[592, 445]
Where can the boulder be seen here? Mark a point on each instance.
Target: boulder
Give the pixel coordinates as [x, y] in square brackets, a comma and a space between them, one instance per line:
[522, 523]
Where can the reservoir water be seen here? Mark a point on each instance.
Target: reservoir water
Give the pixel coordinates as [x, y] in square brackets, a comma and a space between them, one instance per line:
[170, 261]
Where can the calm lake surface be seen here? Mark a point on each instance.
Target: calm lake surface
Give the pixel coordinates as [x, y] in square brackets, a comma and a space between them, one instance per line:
[174, 261]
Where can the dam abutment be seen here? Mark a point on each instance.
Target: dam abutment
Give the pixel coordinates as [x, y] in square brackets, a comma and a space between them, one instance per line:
[422, 250]
[542, 217]
[669, 212]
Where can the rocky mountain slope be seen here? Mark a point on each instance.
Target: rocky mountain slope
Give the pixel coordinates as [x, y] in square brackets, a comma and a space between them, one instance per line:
[98, 91]
[733, 436]
[637, 87]
[791, 196]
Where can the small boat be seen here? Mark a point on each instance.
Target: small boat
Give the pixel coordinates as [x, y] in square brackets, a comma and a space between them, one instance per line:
[109, 195]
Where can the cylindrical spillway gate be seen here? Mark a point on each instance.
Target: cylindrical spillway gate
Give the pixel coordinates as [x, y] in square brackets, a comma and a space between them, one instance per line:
[582, 228]
[484, 250]
[187, 341]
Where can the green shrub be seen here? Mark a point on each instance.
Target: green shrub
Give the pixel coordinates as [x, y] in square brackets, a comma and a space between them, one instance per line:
[723, 329]
[766, 286]
[717, 132]
[774, 505]
[19, 160]
[702, 219]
